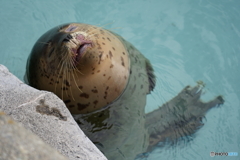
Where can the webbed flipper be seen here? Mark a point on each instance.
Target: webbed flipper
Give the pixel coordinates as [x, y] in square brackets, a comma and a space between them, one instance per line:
[179, 117]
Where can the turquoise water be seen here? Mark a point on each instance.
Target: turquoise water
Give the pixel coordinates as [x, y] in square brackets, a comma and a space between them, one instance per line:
[186, 41]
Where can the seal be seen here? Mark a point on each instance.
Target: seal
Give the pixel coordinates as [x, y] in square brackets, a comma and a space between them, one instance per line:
[104, 80]
[86, 66]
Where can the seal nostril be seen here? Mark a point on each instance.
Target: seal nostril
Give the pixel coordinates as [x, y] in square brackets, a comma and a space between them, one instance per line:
[68, 38]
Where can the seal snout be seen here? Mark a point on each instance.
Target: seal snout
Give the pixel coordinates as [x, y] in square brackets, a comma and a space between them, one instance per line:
[87, 66]
[81, 50]
[83, 44]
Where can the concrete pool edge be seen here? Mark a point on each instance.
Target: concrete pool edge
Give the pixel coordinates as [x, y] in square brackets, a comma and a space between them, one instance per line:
[46, 116]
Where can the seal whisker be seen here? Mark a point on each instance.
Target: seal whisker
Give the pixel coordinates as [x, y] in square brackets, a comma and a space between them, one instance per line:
[73, 41]
[64, 78]
[93, 30]
[60, 65]
[77, 70]
[62, 60]
[101, 26]
[67, 78]
[92, 35]
[43, 42]
[72, 62]
[68, 61]
[76, 82]
[71, 65]
[59, 27]
[58, 79]
[115, 28]
[58, 74]
[74, 67]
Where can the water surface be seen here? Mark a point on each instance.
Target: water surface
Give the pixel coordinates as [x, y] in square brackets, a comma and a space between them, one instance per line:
[185, 40]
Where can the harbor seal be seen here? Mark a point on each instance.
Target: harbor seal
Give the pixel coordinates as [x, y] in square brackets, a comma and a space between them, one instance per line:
[84, 65]
[104, 80]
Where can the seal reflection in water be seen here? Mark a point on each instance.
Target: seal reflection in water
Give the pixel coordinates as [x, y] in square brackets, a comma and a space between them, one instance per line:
[104, 80]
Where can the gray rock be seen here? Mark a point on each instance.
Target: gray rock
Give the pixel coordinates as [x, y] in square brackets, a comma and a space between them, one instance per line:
[45, 115]
[18, 143]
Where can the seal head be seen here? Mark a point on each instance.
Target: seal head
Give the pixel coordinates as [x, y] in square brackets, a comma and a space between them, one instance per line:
[86, 66]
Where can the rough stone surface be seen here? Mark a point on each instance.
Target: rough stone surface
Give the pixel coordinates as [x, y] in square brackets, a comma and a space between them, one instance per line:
[45, 115]
[18, 143]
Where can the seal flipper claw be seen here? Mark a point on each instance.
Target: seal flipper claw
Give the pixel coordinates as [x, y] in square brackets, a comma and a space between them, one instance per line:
[214, 103]
[196, 90]
[220, 99]
[179, 117]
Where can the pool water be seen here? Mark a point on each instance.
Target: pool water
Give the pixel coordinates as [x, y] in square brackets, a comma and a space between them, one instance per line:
[185, 40]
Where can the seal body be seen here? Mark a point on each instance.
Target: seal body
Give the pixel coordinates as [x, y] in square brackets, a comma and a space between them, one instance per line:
[104, 80]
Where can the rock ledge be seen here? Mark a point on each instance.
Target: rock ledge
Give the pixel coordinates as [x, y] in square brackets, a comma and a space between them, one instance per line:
[45, 115]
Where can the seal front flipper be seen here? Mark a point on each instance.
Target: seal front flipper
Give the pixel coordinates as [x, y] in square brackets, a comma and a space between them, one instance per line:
[179, 117]
[151, 75]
